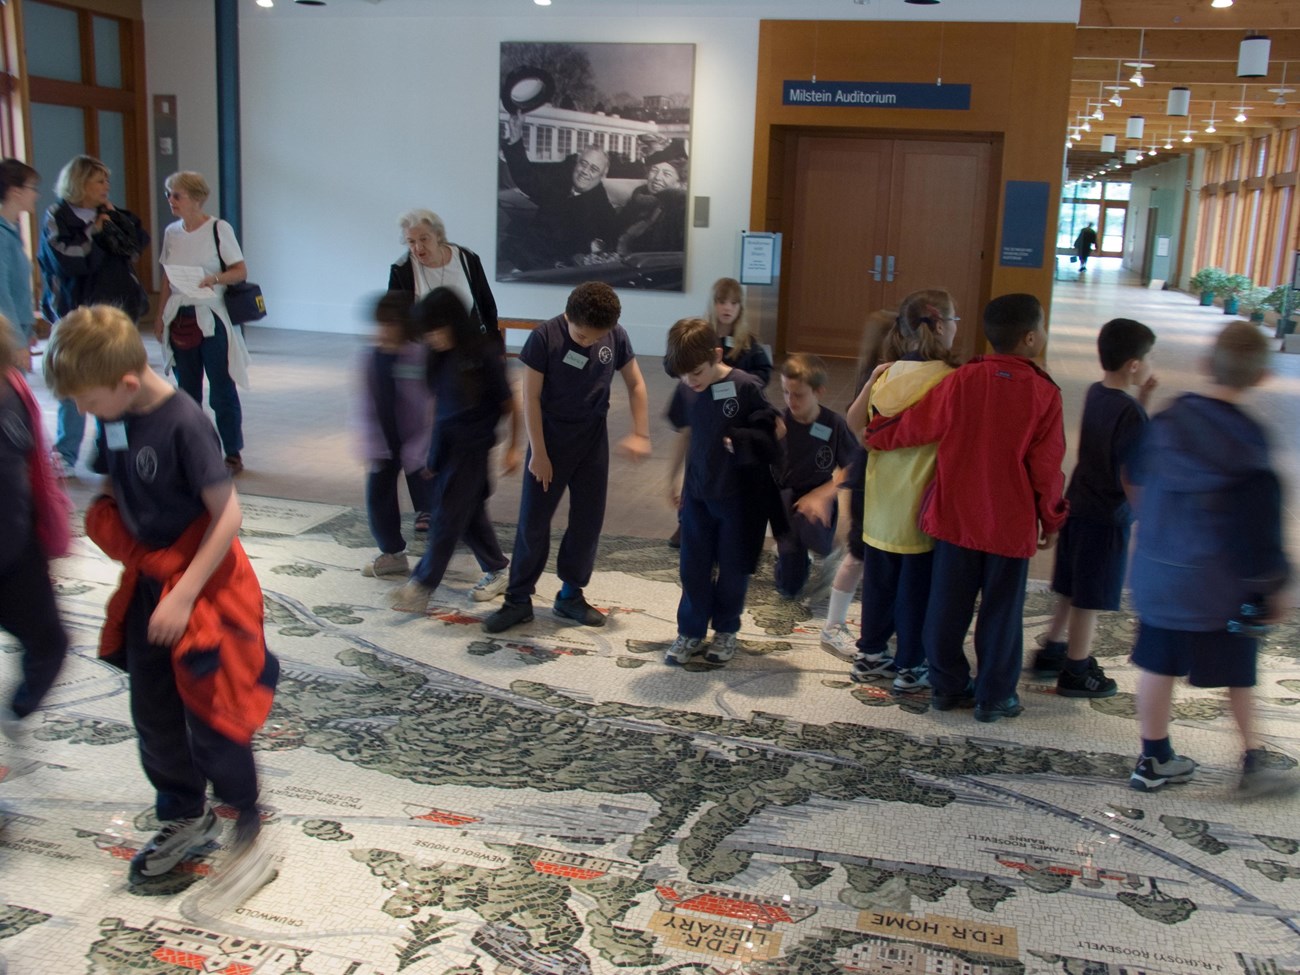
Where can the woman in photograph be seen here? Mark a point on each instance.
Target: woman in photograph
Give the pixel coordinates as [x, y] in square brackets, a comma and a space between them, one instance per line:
[654, 217]
[196, 333]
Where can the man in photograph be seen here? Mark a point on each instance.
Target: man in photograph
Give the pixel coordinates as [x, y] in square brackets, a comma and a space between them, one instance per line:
[574, 215]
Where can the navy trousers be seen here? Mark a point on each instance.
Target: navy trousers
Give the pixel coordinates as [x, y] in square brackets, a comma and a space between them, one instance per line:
[579, 455]
[895, 594]
[179, 752]
[29, 612]
[714, 533]
[212, 356]
[383, 510]
[802, 535]
[458, 501]
[960, 575]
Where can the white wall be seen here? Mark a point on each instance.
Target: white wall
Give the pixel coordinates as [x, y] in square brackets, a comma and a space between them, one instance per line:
[356, 112]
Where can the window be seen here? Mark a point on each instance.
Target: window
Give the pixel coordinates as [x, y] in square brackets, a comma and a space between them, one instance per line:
[565, 142]
[1118, 191]
[545, 139]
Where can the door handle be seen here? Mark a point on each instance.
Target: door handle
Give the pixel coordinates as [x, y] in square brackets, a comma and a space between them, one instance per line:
[889, 268]
[875, 270]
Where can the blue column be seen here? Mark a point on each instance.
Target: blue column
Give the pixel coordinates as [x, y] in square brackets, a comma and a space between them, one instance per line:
[229, 182]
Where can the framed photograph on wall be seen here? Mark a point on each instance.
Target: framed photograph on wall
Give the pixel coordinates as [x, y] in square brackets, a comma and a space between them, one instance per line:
[594, 164]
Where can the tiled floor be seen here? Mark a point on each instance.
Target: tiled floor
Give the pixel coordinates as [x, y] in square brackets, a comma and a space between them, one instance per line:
[555, 800]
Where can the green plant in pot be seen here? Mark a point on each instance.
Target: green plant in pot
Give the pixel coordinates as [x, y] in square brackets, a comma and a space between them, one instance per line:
[1285, 306]
[1234, 286]
[1252, 299]
[1207, 281]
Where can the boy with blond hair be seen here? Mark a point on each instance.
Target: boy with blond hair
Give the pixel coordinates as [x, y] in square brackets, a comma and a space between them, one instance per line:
[186, 620]
[1209, 571]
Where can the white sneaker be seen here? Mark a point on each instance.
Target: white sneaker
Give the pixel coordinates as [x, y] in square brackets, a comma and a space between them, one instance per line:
[386, 564]
[492, 584]
[683, 649]
[839, 641]
[722, 649]
[170, 844]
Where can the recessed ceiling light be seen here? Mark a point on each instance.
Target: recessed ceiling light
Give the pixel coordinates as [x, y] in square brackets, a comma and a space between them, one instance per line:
[311, 3]
[923, 3]
[266, 3]
[542, 3]
[1220, 3]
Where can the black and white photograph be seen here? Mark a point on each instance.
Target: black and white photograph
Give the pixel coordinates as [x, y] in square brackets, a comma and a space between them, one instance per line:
[594, 166]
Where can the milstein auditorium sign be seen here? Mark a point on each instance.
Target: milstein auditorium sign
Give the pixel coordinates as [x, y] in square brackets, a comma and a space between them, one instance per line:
[872, 94]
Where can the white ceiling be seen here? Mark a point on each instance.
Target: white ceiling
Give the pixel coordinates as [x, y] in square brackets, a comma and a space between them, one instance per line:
[1048, 11]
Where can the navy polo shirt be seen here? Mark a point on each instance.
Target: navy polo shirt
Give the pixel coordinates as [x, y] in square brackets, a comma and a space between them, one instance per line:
[814, 450]
[577, 380]
[1109, 436]
[468, 394]
[733, 403]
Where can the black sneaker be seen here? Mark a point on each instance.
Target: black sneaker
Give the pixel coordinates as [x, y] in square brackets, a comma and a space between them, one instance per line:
[577, 608]
[510, 614]
[996, 711]
[1093, 682]
[1050, 658]
[947, 702]
[1151, 774]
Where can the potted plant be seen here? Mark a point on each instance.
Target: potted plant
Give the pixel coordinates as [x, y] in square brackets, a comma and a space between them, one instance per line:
[1234, 286]
[1285, 306]
[1253, 299]
[1207, 281]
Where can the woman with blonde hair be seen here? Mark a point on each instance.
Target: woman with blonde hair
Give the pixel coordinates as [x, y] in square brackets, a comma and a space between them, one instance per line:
[87, 252]
[197, 335]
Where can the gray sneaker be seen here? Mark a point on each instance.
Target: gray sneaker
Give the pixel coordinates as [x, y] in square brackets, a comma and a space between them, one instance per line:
[683, 649]
[722, 649]
[911, 680]
[170, 844]
[1260, 778]
[492, 584]
[412, 598]
[869, 665]
[1150, 774]
[386, 564]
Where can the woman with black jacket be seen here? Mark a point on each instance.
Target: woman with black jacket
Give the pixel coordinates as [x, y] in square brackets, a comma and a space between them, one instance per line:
[431, 262]
[87, 254]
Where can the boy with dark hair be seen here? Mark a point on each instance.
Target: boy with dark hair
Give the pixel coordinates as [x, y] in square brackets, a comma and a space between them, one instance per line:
[19, 186]
[570, 363]
[186, 622]
[726, 427]
[1210, 569]
[1092, 553]
[817, 450]
[996, 497]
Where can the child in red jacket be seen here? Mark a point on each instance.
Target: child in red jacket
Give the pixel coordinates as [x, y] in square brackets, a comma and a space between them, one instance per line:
[996, 497]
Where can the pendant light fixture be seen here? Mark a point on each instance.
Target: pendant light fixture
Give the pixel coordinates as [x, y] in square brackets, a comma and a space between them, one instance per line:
[1252, 57]
[1179, 102]
[1115, 89]
[1283, 90]
[1169, 138]
[1136, 78]
[1135, 128]
[1108, 143]
[1209, 122]
[1187, 135]
[1241, 109]
[1131, 156]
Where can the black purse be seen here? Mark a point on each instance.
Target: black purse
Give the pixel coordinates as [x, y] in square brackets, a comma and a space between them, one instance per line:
[244, 302]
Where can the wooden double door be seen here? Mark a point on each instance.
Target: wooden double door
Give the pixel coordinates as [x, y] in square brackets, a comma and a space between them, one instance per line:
[875, 219]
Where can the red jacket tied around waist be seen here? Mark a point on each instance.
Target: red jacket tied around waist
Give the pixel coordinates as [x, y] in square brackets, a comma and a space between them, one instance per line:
[234, 696]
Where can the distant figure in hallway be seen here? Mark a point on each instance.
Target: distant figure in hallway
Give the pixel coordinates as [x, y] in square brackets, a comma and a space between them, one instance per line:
[1084, 245]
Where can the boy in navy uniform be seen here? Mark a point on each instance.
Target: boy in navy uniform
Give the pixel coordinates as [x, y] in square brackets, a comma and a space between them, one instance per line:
[1210, 569]
[570, 363]
[996, 498]
[1092, 552]
[726, 427]
[186, 623]
[818, 450]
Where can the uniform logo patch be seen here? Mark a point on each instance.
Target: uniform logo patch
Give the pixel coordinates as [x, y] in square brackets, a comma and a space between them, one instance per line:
[146, 464]
[605, 355]
[731, 407]
[825, 458]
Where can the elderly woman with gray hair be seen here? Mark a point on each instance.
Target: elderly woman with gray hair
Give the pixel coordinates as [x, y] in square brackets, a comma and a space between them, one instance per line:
[432, 262]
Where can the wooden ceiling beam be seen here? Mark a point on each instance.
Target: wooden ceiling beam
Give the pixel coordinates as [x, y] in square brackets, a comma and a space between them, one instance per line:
[1189, 14]
[1166, 74]
[1180, 45]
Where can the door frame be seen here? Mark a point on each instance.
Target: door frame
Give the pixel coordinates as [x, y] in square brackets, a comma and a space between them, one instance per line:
[782, 191]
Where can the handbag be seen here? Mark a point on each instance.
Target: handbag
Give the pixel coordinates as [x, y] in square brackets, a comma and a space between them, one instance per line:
[244, 301]
[184, 333]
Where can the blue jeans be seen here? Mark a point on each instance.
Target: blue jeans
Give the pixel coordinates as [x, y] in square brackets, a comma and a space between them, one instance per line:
[72, 428]
[212, 356]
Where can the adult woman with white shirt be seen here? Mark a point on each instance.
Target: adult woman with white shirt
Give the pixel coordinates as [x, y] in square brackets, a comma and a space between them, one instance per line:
[197, 335]
[431, 262]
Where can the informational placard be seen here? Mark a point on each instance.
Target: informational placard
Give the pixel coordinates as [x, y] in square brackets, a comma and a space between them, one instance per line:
[760, 258]
[1024, 224]
[876, 94]
[1162, 247]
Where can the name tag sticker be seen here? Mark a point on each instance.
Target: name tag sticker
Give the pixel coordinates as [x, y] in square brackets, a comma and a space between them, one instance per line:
[821, 431]
[115, 435]
[725, 390]
[408, 370]
[575, 358]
